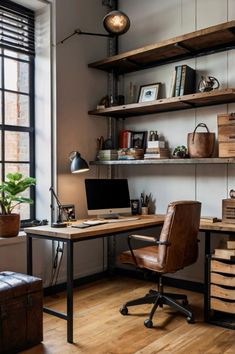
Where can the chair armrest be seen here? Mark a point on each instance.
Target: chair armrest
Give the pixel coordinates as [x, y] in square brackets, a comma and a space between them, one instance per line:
[143, 238]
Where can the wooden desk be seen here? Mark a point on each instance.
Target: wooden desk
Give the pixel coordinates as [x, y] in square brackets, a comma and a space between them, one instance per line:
[71, 235]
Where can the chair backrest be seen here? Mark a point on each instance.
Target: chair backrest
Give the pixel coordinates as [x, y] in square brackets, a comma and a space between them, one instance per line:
[180, 230]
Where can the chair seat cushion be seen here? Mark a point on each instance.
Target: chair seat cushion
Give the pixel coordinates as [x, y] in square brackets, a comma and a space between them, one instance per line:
[146, 257]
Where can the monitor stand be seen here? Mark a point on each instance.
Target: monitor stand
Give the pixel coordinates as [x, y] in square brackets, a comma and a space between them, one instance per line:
[110, 216]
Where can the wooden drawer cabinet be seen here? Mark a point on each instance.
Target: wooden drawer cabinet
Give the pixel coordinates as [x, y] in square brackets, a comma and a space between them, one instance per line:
[221, 292]
[226, 135]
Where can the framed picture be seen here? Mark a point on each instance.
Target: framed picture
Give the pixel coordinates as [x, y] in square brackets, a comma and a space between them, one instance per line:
[68, 212]
[149, 92]
[139, 139]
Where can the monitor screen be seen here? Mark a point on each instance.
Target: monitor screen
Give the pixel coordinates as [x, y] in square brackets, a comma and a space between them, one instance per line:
[107, 196]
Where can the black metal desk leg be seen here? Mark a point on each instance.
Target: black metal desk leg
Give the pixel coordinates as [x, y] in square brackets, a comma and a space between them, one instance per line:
[207, 242]
[29, 255]
[70, 291]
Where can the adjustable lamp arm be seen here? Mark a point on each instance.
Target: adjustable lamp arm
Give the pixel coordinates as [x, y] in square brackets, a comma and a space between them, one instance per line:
[78, 32]
[60, 208]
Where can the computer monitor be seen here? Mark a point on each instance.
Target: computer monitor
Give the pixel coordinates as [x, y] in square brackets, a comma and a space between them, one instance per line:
[107, 197]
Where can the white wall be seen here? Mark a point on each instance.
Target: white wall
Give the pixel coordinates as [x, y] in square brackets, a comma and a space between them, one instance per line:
[79, 89]
[209, 184]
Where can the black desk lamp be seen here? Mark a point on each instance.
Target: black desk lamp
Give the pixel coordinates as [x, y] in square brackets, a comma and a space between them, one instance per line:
[78, 164]
[115, 22]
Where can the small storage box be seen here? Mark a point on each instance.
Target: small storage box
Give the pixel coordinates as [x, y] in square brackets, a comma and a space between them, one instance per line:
[226, 134]
[20, 312]
[228, 211]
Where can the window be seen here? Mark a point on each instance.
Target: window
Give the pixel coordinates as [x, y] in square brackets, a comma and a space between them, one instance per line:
[17, 148]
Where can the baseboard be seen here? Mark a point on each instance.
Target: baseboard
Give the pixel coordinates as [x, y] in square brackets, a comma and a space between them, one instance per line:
[52, 290]
[136, 274]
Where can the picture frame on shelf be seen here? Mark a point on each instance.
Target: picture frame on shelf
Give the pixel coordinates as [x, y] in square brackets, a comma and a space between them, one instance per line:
[149, 92]
[68, 212]
[139, 139]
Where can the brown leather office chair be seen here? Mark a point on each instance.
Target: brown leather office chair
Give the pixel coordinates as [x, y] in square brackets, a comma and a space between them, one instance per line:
[176, 248]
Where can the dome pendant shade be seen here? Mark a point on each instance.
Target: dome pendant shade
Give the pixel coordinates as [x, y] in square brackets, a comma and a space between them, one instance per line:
[78, 164]
[116, 22]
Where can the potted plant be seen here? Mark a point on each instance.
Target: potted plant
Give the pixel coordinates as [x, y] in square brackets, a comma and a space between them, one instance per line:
[10, 197]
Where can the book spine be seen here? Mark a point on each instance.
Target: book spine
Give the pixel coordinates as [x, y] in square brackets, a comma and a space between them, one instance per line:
[178, 80]
[183, 76]
[172, 86]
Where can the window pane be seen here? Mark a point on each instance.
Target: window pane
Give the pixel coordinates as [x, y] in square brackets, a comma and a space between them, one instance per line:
[16, 75]
[16, 146]
[23, 209]
[0, 107]
[0, 72]
[0, 146]
[16, 109]
[12, 54]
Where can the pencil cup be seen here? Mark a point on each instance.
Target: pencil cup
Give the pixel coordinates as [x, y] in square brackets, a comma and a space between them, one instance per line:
[144, 210]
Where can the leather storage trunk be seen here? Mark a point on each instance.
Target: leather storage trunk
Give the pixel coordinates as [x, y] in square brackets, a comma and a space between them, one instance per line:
[20, 312]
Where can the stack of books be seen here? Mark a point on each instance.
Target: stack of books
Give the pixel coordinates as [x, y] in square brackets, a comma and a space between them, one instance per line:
[131, 154]
[107, 155]
[183, 81]
[226, 253]
[156, 150]
[156, 153]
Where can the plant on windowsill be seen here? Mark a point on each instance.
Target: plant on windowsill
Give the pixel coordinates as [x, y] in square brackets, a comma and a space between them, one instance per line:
[10, 197]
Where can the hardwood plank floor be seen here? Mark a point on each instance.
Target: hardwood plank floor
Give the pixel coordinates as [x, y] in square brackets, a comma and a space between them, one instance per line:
[99, 328]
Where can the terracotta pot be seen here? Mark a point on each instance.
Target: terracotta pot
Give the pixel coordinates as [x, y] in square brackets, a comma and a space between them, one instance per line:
[9, 225]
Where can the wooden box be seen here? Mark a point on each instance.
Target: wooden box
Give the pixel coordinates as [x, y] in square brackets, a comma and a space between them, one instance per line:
[228, 211]
[20, 312]
[226, 134]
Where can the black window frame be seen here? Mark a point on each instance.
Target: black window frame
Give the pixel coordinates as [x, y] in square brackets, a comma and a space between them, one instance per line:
[30, 53]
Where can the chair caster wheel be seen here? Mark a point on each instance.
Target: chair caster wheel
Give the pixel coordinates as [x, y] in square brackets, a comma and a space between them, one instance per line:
[148, 323]
[124, 310]
[185, 302]
[190, 320]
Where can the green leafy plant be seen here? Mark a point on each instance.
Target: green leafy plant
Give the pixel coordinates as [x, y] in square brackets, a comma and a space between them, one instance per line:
[11, 189]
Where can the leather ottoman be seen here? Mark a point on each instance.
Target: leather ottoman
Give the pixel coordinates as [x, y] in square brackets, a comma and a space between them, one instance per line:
[20, 312]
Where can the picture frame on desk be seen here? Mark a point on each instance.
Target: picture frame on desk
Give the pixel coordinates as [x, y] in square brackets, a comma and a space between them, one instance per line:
[149, 92]
[68, 212]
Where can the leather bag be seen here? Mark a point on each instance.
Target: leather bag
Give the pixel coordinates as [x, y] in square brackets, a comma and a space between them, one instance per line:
[201, 144]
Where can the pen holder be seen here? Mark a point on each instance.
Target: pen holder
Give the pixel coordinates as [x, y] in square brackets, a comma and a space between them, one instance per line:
[144, 210]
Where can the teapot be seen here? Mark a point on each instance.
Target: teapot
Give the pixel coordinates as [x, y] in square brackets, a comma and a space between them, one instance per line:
[208, 83]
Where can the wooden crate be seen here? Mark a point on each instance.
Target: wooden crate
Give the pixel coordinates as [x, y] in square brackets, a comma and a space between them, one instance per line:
[222, 267]
[20, 312]
[228, 210]
[226, 134]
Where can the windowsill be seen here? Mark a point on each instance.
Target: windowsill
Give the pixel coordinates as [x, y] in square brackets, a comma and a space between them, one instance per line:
[13, 240]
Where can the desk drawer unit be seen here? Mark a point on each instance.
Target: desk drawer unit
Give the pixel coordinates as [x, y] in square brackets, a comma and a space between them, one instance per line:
[226, 134]
[221, 292]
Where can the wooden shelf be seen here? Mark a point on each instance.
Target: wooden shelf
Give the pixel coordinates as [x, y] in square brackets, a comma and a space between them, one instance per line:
[212, 160]
[195, 100]
[203, 42]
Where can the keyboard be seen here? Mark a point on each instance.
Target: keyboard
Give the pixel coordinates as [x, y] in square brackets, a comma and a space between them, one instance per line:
[94, 222]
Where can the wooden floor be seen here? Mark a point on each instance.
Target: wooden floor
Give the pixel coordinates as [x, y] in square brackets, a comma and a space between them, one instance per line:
[99, 328]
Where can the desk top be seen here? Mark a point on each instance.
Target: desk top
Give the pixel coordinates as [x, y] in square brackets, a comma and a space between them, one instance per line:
[70, 233]
[76, 234]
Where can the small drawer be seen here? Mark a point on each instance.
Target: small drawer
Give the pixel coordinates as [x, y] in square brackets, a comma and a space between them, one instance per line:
[227, 149]
[221, 267]
[226, 133]
[220, 279]
[224, 306]
[223, 293]
[224, 119]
